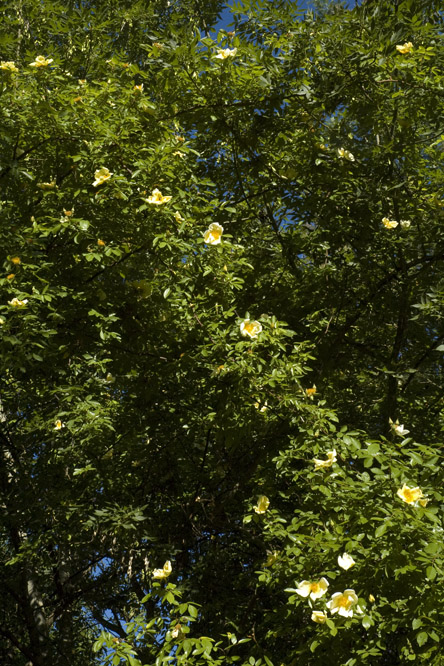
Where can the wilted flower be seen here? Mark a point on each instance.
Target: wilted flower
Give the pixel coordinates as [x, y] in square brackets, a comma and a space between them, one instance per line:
[156, 198]
[331, 458]
[176, 632]
[164, 572]
[47, 186]
[404, 48]
[16, 260]
[41, 61]
[8, 66]
[59, 425]
[412, 495]
[262, 504]
[310, 392]
[344, 603]
[250, 328]
[389, 224]
[100, 242]
[213, 234]
[346, 154]
[16, 303]
[101, 175]
[11, 276]
[398, 429]
[346, 561]
[315, 589]
[405, 224]
[319, 617]
[222, 54]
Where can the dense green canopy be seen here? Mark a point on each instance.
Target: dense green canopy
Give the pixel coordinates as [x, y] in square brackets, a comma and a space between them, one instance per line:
[221, 333]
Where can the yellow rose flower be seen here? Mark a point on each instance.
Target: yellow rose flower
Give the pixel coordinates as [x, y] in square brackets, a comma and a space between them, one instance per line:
[315, 590]
[389, 224]
[41, 61]
[319, 617]
[16, 260]
[250, 328]
[8, 66]
[156, 198]
[412, 495]
[346, 561]
[405, 224]
[213, 234]
[404, 48]
[101, 175]
[164, 572]
[11, 276]
[343, 603]
[223, 54]
[346, 154]
[16, 303]
[262, 504]
[331, 458]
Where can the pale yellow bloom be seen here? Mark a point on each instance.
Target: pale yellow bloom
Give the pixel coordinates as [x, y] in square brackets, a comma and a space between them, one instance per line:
[263, 408]
[315, 589]
[310, 392]
[346, 154]
[41, 61]
[16, 303]
[404, 48]
[344, 603]
[389, 224]
[213, 234]
[47, 186]
[164, 572]
[346, 561]
[222, 54]
[319, 617]
[398, 429]
[412, 495]
[405, 224]
[156, 198]
[331, 458]
[59, 425]
[271, 559]
[250, 328]
[371, 598]
[262, 504]
[8, 66]
[178, 217]
[2, 321]
[101, 175]
[16, 260]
